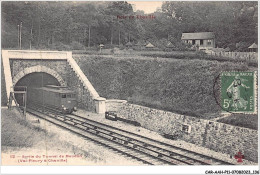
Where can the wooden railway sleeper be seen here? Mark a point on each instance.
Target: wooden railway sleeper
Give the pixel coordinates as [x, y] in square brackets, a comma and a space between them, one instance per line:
[125, 142]
[176, 149]
[167, 153]
[106, 143]
[161, 152]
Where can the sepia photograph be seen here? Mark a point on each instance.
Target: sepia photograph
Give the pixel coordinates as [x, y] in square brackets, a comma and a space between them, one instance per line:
[130, 83]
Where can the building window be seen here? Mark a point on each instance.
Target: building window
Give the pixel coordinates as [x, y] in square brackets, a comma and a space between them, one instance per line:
[193, 42]
[209, 42]
[201, 42]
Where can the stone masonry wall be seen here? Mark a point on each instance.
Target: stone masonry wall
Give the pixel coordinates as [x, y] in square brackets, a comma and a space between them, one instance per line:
[62, 67]
[210, 134]
[85, 101]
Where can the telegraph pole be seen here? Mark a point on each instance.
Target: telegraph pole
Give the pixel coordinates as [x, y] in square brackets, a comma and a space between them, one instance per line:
[119, 38]
[31, 37]
[85, 37]
[21, 35]
[31, 40]
[18, 36]
[89, 36]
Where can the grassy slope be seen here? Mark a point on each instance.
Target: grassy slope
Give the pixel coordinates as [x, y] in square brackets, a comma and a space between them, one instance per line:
[17, 132]
[182, 86]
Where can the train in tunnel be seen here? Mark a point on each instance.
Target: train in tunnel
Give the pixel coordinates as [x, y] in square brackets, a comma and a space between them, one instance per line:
[59, 98]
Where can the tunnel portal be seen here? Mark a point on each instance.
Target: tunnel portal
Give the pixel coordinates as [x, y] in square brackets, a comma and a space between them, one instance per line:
[33, 80]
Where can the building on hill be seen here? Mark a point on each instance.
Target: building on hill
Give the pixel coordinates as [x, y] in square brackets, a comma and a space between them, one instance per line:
[253, 48]
[169, 45]
[149, 45]
[129, 45]
[201, 40]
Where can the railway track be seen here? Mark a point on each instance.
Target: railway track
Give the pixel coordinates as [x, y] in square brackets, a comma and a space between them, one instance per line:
[138, 147]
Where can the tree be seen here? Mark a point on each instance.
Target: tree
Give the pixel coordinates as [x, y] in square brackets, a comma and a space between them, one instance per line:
[93, 23]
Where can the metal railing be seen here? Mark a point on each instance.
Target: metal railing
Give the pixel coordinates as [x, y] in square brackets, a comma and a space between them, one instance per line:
[18, 92]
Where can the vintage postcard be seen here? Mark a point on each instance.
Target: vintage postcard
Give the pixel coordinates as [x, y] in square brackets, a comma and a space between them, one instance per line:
[130, 83]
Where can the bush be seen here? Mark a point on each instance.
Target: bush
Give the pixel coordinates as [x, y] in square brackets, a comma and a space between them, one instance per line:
[181, 46]
[110, 46]
[43, 47]
[242, 46]
[121, 47]
[198, 55]
[77, 46]
[60, 46]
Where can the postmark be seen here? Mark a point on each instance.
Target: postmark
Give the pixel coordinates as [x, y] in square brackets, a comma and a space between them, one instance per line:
[237, 92]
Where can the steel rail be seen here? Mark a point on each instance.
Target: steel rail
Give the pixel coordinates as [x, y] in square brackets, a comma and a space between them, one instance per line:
[145, 145]
[99, 142]
[156, 141]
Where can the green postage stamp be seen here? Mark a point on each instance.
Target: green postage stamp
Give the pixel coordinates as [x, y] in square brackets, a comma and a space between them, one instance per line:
[238, 92]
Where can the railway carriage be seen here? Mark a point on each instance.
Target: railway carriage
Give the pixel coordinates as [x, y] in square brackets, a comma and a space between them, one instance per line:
[55, 97]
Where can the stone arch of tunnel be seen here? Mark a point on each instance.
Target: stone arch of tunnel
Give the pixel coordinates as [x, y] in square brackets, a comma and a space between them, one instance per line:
[36, 78]
[39, 69]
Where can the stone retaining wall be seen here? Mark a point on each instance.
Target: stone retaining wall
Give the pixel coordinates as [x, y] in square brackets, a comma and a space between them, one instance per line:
[210, 134]
[114, 104]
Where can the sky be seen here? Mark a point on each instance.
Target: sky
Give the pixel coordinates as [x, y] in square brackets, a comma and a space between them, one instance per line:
[146, 6]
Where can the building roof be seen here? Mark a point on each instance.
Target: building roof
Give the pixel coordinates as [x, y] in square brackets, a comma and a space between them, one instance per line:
[129, 44]
[200, 35]
[169, 45]
[253, 46]
[149, 45]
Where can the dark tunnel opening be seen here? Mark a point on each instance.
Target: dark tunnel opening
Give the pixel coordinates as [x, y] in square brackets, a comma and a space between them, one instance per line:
[34, 80]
